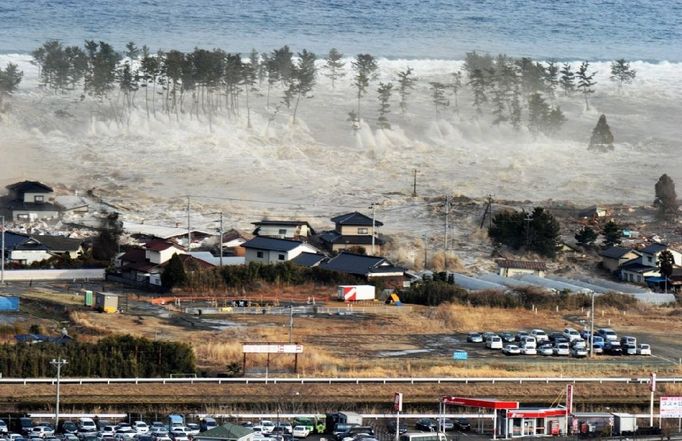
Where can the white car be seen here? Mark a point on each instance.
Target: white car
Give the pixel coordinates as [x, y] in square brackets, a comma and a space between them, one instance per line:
[125, 433]
[141, 427]
[41, 431]
[193, 429]
[529, 350]
[13, 436]
[108, 431]
[643, 349]
[3, 427]
[540, 335]
[511, 350]
[546, 349]
[571, 334]
[87, 425]
[494, 342]
[528, 341]
[579, 343]
[267, 426]
[300, 432]
[562, 349]
[578, 352]
[608, 334]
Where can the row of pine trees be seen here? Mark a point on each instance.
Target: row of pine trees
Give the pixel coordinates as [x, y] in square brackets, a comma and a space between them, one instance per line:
[207, 84]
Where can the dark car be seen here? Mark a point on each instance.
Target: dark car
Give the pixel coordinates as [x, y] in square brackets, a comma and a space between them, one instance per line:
[462, 424]
[613, 348]
[354, 431]
[426, 425]
[556, 337]
[69, 427]
[508, 337]
[390, 426]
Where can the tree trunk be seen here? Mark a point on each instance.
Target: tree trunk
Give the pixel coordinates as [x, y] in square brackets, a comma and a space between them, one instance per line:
[298, 100]
[248, 108]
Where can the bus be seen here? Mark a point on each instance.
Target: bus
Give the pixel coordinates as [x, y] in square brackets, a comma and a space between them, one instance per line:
[423, 436]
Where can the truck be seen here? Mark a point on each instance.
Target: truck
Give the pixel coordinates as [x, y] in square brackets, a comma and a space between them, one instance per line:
[175, 420]
[354, 293]
[624, 424]
[350, 418]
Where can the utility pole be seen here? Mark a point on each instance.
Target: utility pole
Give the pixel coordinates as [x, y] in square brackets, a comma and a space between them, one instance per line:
[529, 219]
[374, 212]
[447, 215]
[425, 250]
[221, 239]
[414, 184]
[592, 328]
[189, 231]
[59, 362]
[2, 256]
[490, 208]
[291, 321]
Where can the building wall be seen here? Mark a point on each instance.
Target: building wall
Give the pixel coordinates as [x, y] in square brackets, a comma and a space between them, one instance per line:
[269, 257]
[513, 272]
[55, 274]
[31, 197]
[159, 257]
[648, 259]
[354, 230]
[633, 277]
[290, 231]
[614, 264]
[32, 215]
[28, 257]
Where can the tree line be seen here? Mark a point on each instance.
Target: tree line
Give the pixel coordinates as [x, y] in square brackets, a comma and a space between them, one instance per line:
[116, 356]
[207, 84]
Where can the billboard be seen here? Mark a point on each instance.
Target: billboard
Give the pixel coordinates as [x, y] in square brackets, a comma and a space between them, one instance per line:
[671, 407]
[272, 349]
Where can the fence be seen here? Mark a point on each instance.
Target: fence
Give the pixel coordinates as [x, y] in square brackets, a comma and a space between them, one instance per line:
[308, 309]
[54, 274]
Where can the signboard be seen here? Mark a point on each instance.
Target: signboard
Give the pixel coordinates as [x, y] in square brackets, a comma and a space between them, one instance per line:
[398, 402]
[569, 399]
[460, 355]
[671, 407]
[652, 382]
[272, 349]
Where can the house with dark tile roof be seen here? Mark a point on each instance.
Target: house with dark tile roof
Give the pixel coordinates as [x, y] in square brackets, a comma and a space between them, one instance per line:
[353, 230]
[614, 257]
[28, 201]
[371, 268]
[270, 250]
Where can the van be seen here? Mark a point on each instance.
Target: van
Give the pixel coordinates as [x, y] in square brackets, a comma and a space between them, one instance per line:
[175, 420]
[529, 342]
[494, 342]
[423, 436]
[87, 425]
[628, 340]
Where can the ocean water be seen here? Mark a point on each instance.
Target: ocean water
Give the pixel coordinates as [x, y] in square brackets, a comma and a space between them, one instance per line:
[649, 30]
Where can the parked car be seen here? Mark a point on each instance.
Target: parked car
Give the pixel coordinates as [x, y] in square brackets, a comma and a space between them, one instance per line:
[628, 340]
[487, 335]
[300, 432]
[585, 334]
[520, 335]
[511, 350]
[529, 341]
[193, 429]
[426, 424]
[546, 349]
[529, 350]
[643, 349]
[571, 334]
[578, 352]
[157, 424]
[68, 437]
[462, 424]
[613, 348]
[15, 437]
[445, 424]
[207, 423]
[42, 431]
[3, 427]
[390, 426]
[140, 427]
[494, 342]
[87, 425]
[562, 349]
[163, 438]
[608, 334]
[179, 436]
[629, 349]
[579, 343]
[508, 337]
[125, 433]
[159, 431]
[145, 437]
[474, 337]
[556, 336]
[540, 335]
[267, 426]
[108, 430]
[69, 427]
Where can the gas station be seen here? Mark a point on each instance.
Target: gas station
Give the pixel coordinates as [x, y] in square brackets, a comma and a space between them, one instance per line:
[512, 421]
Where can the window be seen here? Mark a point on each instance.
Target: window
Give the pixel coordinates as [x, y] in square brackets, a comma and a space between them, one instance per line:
[259, 254]
[363, 231]
[39, 199]
[281, 257]
[282, 231]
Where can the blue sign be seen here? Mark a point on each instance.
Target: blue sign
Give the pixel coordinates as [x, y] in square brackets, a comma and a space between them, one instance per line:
[9, 303]
[460, 355]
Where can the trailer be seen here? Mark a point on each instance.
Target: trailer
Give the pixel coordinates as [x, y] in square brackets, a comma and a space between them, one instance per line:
[624, 424]
[354, 293]
[350, 418]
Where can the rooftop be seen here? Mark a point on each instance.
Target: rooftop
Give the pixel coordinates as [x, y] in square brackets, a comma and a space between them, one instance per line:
[227, 431]
[161, 245]
[355, 218]
[59, 243]
[522, 264]
[335, 237]
[272, 244]
[654, 248]
[29, 187]
[359, 264]
[309, 259]
[616, 252]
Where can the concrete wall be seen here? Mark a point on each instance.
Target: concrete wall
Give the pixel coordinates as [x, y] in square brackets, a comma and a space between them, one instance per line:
[55, 274]
[27, 257]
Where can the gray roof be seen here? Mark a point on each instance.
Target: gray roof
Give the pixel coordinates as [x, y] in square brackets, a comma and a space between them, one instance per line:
[271, 244]
[29, 187]
[334, 237]
[616, 252]
[13, 240]
[636, 266]
[355, 218]
[654, 248]
[59, 243]
[359, 264]
[227, 431]
[309, 259]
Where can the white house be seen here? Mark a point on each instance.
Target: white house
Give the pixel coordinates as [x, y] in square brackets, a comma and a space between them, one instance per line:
[283, 229]
[160, 251]
[271, 250]
[30, 200]
[511, 268]
[651, 253]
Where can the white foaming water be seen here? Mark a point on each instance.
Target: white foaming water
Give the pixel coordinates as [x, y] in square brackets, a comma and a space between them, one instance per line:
[325, 167]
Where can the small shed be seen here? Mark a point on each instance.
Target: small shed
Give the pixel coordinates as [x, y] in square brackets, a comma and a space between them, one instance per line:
[88, 298]
[106, 302]
[511, 268]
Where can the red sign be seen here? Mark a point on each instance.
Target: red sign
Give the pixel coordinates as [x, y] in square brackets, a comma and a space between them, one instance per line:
[569, 399]
[486, 404]
[536, 413]
[398, 402]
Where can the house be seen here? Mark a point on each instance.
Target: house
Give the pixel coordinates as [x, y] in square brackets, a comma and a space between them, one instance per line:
[309, 259]
[208, 257]
[353, 230]
[371, 268]
[271, 250]
[227, 432]
[24, 249]
[613, 258]
[233, 241]
[512, 268]
[635, 271]
[61, 246]
[592, 212]
[146, 232]
[28, 201]
[651, 253]
[299, 230]
[160, 251]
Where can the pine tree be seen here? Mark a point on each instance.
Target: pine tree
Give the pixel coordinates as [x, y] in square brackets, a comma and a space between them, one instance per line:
[304, 76]
[586, 82]
[612, 233]
[334, 66]
[365, 67]
[567, 80]
[406, 82]
[602, 139]
[477, 83]
[10, 78]
[174, 273]
[515, 112]
[622, 73]
[384, 95]
[538, 111]
[552, 78]
[586, 237]
[438, 96]
[555, 120]
[666, 264]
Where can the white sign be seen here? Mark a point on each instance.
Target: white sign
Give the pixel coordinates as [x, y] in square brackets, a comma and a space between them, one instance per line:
[671, 407]
[652, 381]
[272, 349]
[398, 402]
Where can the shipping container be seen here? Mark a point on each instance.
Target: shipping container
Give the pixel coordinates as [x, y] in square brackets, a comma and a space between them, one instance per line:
[350, 418]
[354, 293]
[106, 302]
[624, 424]
[9, 303]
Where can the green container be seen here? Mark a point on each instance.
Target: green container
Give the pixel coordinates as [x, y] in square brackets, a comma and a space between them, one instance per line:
[89, 298]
